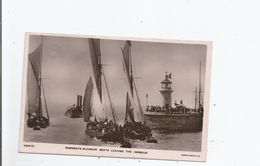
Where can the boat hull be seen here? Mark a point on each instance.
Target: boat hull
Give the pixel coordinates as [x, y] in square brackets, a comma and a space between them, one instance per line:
[37, 123]
[116, 136]
[73, 113]
[76, 115]
[134, 135]
[190, 122]
[113, 137]
[93, 134]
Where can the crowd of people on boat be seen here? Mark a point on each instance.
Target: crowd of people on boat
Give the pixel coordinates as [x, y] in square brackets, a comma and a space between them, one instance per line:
[133, 130]
[37, 122]
[103, 126]
[137, 129]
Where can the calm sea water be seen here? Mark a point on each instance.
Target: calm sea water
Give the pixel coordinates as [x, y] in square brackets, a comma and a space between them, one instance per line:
[64, 130]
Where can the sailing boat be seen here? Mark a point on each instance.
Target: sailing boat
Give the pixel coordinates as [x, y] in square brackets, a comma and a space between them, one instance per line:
[200, 100]
[95, 112]
[35, 89]
[134, 111]
[134, 117]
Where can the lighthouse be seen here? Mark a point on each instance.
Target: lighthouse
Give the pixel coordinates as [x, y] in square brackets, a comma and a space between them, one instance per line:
[166, 91]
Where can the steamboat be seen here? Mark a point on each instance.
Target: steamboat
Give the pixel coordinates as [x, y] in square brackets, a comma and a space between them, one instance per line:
[75, 111]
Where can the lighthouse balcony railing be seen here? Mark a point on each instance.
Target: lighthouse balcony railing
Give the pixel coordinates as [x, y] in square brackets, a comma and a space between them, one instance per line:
[166, 86]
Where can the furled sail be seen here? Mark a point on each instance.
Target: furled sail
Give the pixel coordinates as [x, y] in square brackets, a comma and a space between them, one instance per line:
[33, 81]
[132, 96]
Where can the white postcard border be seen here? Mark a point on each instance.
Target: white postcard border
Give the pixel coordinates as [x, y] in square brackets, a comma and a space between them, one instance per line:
[69, 149]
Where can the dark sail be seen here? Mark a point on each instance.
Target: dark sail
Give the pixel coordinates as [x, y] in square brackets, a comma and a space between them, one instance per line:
[127, 53]
[87, 101]
[133, 94]
[33, 92]
[127, 63]
[94, 47]
[35, 60]
[35, 87]
[97, 104]
[34, 82]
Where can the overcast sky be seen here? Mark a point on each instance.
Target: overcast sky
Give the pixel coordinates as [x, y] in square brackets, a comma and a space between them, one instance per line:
[66, 69]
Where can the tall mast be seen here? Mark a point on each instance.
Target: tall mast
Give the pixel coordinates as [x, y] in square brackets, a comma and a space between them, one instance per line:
[133, 85]
[139, 103]
[195, 99]
[200, 85]
[131, 68]
[146, 100]
[47, 112]
[127, 62]
[109, 98]
[98, 71]
[40, 80]
[100, 68]
[94, 45]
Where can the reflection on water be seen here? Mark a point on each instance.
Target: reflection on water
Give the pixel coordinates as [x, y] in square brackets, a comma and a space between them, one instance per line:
[64, 130]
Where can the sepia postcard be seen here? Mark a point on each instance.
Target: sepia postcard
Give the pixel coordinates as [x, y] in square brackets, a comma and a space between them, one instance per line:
[115, 97]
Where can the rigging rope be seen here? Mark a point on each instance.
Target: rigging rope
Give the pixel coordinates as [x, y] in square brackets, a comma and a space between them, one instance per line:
[109, 97]
[47, 112]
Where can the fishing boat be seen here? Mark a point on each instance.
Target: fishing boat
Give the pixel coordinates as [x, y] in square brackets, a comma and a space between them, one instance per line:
[177, 117]
[35, 91]
[95, 110]
[134, 126]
